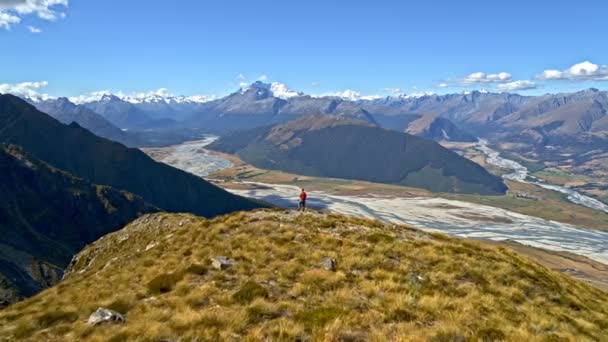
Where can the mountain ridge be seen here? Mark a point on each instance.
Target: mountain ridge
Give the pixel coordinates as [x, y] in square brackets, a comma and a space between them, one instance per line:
[67, 112]
[338, 147]
[474, 113]
[78, 151]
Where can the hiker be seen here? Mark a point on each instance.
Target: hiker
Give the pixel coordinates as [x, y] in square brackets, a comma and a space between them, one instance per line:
[302, 205]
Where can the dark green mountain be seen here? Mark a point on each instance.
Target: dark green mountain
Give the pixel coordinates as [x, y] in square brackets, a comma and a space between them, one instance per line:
[47, 216]
[329, 146]
[78, 151]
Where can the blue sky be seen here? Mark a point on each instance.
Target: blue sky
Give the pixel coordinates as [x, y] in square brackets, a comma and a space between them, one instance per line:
[200, 47]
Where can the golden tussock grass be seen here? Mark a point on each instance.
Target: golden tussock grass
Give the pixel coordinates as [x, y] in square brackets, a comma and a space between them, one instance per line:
[391, 283]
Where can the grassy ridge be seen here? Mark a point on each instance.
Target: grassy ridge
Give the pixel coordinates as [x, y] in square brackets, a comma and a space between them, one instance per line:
[391, 283]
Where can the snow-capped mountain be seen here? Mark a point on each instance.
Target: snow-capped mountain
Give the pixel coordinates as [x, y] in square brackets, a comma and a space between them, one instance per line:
[158, 96]
[276, 89]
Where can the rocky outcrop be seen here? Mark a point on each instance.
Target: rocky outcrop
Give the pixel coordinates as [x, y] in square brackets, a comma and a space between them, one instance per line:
[103, 315]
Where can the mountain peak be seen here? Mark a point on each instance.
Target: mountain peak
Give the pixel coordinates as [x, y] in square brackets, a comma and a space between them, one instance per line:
[109, 97]
[274, 89]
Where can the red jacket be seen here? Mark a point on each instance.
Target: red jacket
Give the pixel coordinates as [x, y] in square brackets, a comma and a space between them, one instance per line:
[303, 196]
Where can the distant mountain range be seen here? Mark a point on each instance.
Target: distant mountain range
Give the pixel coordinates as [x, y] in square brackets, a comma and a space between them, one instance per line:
[46, 216]
[344, 147]
[579, 116]
[561, 129]
[462, 116]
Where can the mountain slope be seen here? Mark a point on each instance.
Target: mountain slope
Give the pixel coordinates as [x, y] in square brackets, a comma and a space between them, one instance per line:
[67, 112]
[438, 129]
[330, 146]
[85, 155]
[46, 216]
[387, 283]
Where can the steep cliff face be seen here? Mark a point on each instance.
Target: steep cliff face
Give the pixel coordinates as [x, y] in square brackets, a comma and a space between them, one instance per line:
[48, 215]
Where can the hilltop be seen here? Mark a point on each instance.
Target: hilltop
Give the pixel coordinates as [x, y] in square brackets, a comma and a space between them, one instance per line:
[302, 277]
[343, 147]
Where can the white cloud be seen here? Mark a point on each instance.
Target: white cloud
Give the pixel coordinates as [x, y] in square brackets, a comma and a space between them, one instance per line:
[393, 90]
[420, 94]
[33, 29]
[516, 85]
[350, 95]
[7, 19]
[242, 81]
[480, 77]
[90, 97]
[280, 90]
[442, 85]
[25, 89]
[11, 11]
[551, 75]
[263, 78]
[583, 71]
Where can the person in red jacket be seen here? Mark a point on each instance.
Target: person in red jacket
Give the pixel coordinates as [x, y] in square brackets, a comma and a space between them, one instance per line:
[302, 205]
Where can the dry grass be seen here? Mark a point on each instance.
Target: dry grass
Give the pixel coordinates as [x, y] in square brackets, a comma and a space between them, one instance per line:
[391, 283]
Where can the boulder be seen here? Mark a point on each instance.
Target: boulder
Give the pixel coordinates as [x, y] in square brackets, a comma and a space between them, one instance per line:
[416, 278]
[329, 264]
[103, 315]
[222, 262]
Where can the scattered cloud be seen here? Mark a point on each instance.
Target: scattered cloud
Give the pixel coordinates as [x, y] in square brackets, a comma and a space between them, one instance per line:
[477, 79]
[350, 95]
[91, 97]
[584, 71]
[420, 94]
[502, 81]
[280, 90]
[7, 19]
[483, 78]
[242, 81]
[34, 29]
[25, 89]
[516, 85]
[263, 78]
[393, 90]
[12, 11]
